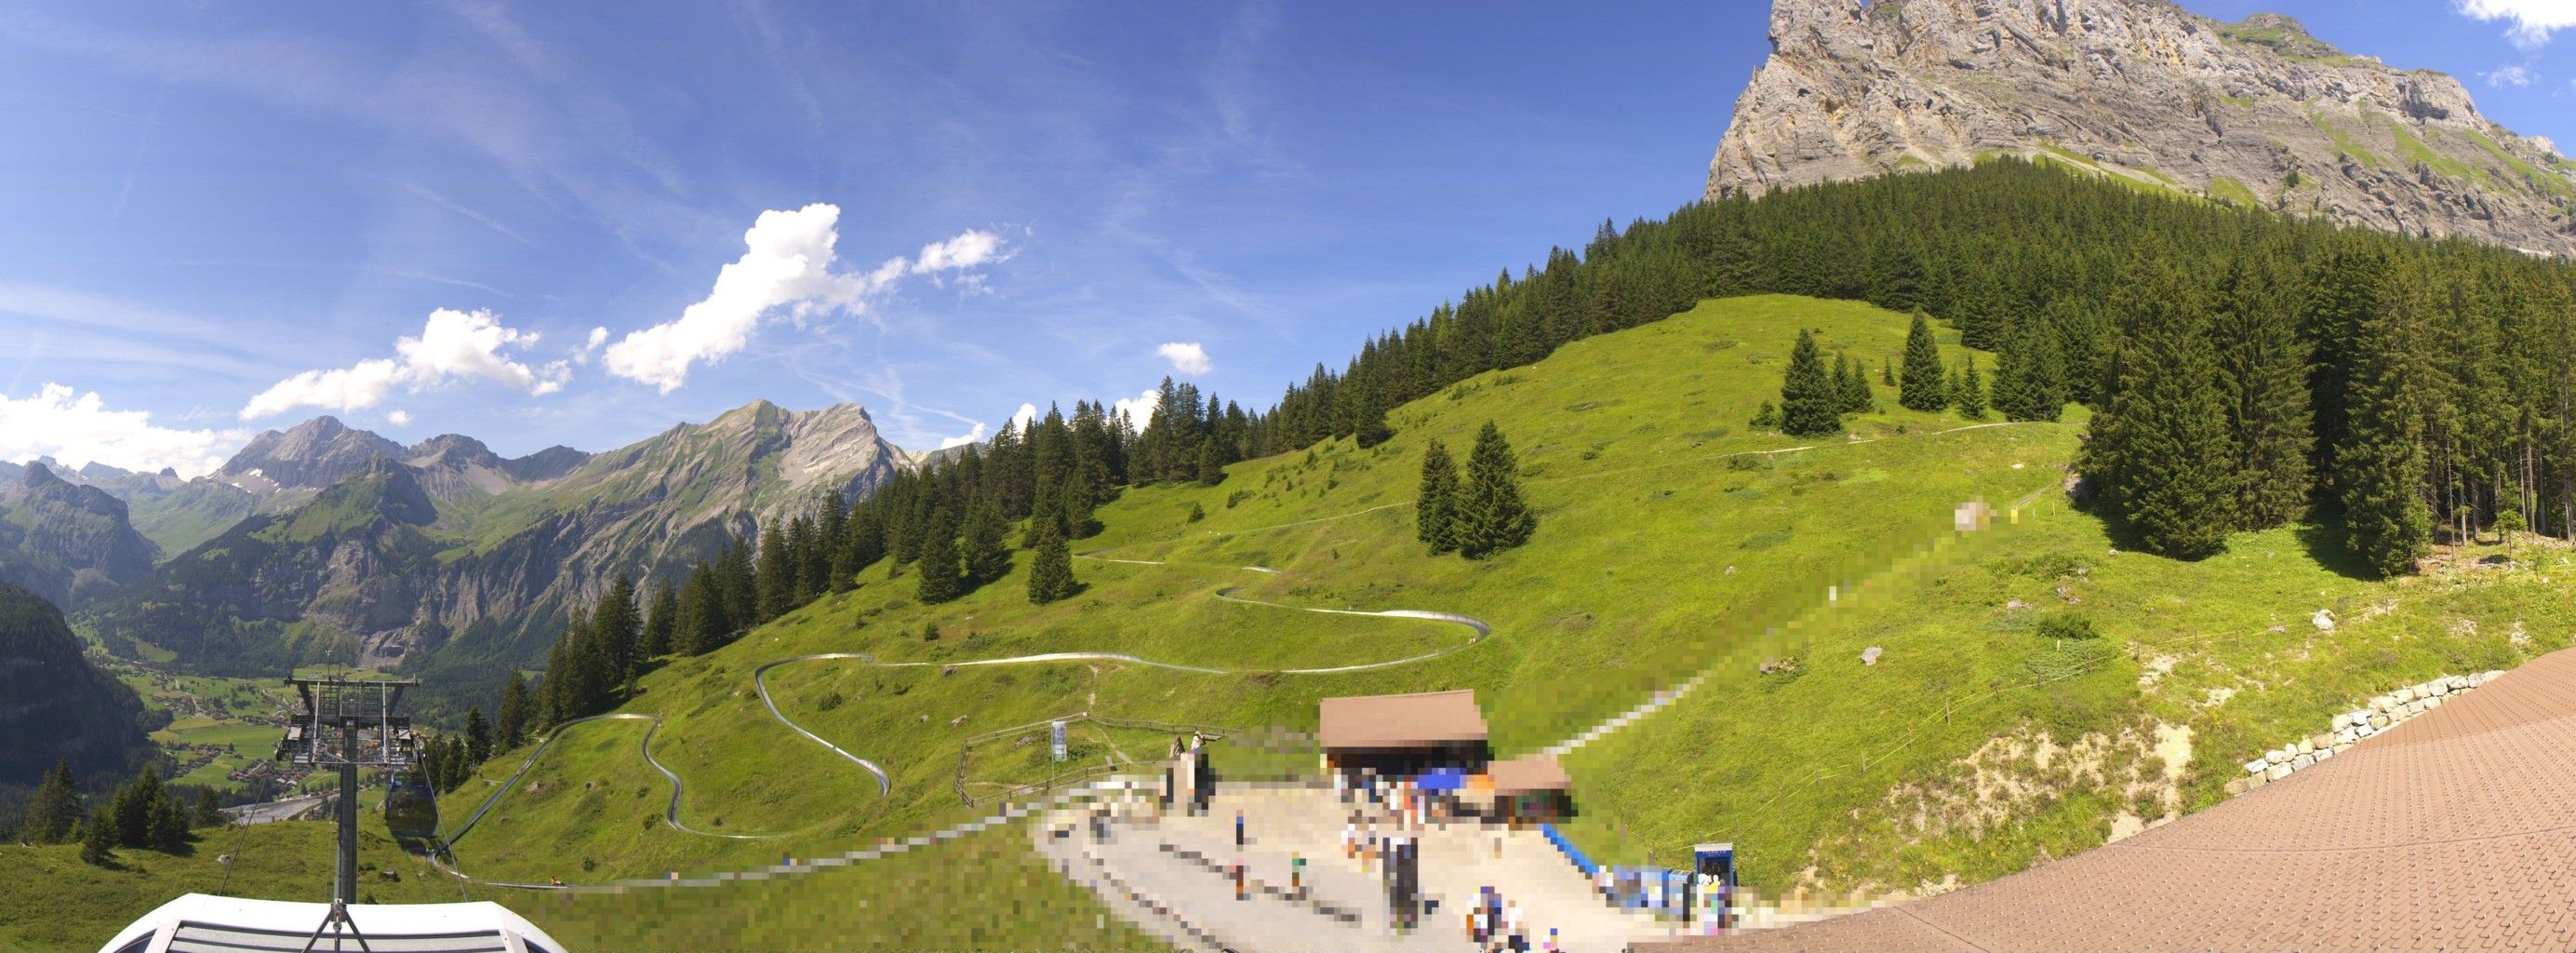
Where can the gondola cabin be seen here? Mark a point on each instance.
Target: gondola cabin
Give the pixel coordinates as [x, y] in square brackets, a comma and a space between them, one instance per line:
[411, 813]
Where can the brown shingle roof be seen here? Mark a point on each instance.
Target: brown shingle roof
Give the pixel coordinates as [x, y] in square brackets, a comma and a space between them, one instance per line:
[2456, 829]
[1420, 720]
[1528, 774]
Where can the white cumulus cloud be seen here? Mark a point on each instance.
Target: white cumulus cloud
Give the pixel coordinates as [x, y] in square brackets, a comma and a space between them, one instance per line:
[78, 429]
[972, 436]
[2533, 20]
[1140, 408]
[967, 250]
[1023, 417]
[452, 345]
[1187, 358]
[786, 267]
[2511, 75]
[398, 417]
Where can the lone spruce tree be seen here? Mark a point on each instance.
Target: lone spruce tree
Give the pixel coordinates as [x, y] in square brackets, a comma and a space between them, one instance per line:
[1808, 400]
[1853, 387]
[98, 838]
[54, 810]
[1435, 509]
[1924, 386]
[512, 724]
[1492, 517]
[1970, 391]
[2379, 467]
[1051, 572]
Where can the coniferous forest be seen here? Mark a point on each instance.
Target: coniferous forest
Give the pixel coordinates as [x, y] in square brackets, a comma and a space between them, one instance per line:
[2245, 371]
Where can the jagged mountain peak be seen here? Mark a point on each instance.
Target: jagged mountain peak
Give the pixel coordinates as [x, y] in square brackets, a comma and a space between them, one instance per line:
[314, 454]
[38, 474]
[2256, 113]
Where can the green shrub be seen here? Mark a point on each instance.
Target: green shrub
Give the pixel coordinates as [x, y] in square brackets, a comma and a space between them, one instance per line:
[2067, 625]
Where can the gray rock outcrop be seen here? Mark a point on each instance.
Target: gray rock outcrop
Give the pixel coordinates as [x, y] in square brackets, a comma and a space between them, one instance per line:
[2256, 113]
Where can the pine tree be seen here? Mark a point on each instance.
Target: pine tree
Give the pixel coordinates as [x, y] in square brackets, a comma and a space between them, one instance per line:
[1051, 571]
[2264, 373]
[1970, 391]
[661, 623]
[1852, 387]
[740, 586]
[831, 545]
[1491, 514]
[1807, 395]
[169, 823]
[2176, 485]
[513, 720]
[98, 838]
[1887, 371]
[1211, 468]
[1924, 386]
[2380, 468]
[134, 806]
[55, 809]
[939, 561]
[2009, 393]
[614, 625]
[987, 555]
[1768, 418]
[704, 622]
[207, 814]
[478, 737]
[777, 579]
[1435, 508]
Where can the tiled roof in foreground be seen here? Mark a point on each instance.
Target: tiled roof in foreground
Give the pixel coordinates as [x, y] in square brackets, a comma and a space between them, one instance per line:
[2454, 830]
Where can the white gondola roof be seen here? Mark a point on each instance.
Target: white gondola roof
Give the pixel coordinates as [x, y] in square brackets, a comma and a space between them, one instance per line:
[200, 923]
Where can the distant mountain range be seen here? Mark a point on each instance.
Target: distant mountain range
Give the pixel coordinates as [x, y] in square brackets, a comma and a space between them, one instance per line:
[325, 542]
[2257, 113]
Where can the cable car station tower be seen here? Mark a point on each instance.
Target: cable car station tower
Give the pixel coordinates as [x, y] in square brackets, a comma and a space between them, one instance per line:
[349, 724]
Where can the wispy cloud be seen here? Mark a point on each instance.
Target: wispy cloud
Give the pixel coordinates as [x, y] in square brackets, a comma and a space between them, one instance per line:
[453, 345]
[2533, 21]
[433, 198]
[142, 141]
[2513, 74]
[786, 267]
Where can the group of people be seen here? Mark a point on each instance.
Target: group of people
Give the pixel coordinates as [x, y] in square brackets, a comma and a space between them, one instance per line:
[1401, 801]
[1496, 925]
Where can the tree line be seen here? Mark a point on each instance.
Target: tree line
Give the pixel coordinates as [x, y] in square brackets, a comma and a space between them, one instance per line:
[2247, 370]
[142, 813]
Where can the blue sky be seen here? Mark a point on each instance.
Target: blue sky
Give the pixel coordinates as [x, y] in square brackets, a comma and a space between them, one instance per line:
[227, 218]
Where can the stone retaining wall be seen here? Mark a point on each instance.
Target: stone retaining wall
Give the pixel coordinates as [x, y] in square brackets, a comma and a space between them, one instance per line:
[2380, 714]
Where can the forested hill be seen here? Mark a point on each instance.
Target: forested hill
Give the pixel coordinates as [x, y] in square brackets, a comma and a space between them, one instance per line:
[2245, 364]
[53, 705]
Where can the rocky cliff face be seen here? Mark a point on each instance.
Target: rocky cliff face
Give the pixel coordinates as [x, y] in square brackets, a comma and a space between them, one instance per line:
[2257, 113]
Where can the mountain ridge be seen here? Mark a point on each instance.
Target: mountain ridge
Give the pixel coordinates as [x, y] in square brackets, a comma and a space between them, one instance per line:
[482, 556]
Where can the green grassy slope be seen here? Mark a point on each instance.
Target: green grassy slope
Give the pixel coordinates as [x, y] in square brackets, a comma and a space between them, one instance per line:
[1673, 541]
[50, 900]
[1632, 447]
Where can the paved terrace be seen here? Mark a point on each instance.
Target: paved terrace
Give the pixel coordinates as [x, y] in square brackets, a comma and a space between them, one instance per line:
[2456, 830]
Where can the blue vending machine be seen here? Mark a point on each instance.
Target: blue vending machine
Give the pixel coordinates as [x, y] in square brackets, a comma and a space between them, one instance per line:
[1713, 886]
